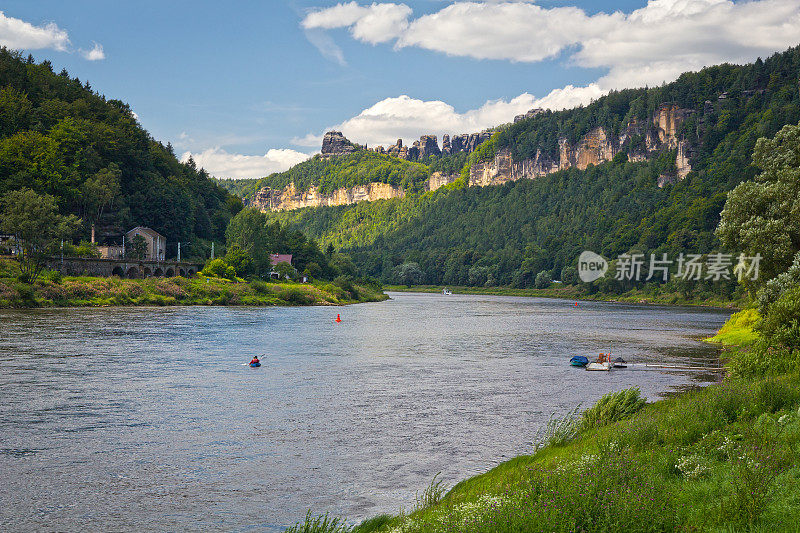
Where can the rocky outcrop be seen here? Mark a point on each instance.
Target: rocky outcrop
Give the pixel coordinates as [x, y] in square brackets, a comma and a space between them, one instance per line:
[268, 199]
[334, 143]
[530, 114]
[439, 179]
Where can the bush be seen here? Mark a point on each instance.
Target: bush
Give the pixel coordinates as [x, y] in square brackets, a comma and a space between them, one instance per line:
[54, 276]
[543, 280]
[614, 406]
[218, 268]
[295, 296]
[260, 287]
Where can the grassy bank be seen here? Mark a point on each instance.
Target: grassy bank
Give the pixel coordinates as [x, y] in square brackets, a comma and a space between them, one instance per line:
[53, 290]
[571, 292]
[721, 458]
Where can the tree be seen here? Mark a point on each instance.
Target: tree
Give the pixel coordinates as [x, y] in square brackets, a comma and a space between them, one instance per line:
[408, 273]
[543, 280]
[763, 216]
[136, 248]
[240, 261]
[284, 270]
[38, 227]
[569, 275]
[100, 190]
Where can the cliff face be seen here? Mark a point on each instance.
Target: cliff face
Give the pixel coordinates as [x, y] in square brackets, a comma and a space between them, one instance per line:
[268, 199]
[597, 146]
[640, 140]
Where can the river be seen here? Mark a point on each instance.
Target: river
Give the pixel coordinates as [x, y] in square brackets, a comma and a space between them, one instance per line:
[131, 419]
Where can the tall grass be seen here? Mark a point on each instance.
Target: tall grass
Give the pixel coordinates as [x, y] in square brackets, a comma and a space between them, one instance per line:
[320, 524]
[612, 407]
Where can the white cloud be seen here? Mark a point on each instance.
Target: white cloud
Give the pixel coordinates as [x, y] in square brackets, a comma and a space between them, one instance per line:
[20, 35]
[326, 46]
[95, 54]
[378, 23]
[646, 46]
[223, 164]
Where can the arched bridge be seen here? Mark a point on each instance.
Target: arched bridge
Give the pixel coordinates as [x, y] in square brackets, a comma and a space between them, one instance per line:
[124, 268]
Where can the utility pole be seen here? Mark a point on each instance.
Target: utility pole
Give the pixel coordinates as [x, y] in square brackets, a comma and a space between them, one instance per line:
[179, 251]
[212, 250]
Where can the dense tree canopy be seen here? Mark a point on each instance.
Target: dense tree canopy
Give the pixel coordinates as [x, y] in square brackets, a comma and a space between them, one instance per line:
[59, 137]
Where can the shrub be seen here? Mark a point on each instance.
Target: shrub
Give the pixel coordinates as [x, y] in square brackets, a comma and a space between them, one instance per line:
[260, 287]
[54, 276]
[295, 296]
[614, 406]
[543, 280]
[559, 430]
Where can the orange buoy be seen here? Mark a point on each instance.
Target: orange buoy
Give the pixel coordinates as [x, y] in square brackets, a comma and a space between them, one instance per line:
[576, 304]
[338, 318]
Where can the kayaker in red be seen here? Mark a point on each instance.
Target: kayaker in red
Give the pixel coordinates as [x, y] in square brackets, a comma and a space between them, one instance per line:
[255, 360]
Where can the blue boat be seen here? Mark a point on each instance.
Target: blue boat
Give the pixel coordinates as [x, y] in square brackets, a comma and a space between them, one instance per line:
[579, 360]
[255, 365]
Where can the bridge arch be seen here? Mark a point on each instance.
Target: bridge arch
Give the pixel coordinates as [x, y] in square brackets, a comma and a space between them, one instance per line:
[170, 272]
[146, 273]
[191, 272]
[158, 273]
[118, 271]
[181, 272]
[132, 273]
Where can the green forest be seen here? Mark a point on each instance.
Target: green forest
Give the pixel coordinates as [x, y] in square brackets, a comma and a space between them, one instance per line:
[61, 138]
[331, 173]
[507, 235]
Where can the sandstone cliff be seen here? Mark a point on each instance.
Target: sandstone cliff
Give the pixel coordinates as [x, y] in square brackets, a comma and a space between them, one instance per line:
[597, 146]
[640, 140]
[268, 199]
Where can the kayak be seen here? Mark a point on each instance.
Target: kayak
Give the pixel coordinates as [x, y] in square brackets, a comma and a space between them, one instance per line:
[579, 360]
[255, 365]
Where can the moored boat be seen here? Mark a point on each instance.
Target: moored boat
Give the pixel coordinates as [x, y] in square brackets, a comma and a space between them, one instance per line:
[579, 360]
[619, 362]
[594, 365]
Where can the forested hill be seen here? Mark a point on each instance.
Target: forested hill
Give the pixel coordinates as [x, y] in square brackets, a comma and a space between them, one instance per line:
[506, 234]
[58, 136]
[343, 171]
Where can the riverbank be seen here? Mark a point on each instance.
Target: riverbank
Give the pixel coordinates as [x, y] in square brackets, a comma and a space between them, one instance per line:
[719, 458]
[53, 290]
[571, 292]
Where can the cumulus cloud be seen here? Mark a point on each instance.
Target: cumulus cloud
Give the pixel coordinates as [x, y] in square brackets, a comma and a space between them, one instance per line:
[378, 23]
[20, 35]
[95, 54]
[222, 164]
[646, 46]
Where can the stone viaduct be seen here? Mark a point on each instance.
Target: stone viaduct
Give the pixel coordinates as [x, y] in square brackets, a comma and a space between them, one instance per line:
[124, 268]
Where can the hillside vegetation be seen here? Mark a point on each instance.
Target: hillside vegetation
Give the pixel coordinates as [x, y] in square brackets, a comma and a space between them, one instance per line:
[329, 174]
[59, 137]
[507, 235]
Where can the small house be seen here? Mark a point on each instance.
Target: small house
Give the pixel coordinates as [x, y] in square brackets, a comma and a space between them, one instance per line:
[156, 243]
[275, 260]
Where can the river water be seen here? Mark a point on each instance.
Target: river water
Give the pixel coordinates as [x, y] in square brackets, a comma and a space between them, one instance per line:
[149, 419]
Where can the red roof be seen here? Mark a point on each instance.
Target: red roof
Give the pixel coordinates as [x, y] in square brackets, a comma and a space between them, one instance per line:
[280, 258]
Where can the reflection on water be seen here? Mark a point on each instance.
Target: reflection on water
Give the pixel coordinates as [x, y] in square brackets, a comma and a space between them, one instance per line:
[149, 418]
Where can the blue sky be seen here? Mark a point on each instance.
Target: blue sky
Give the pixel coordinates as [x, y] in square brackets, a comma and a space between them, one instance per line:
[249, 87]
